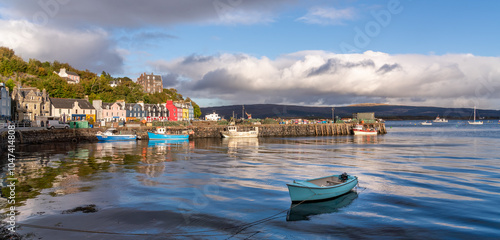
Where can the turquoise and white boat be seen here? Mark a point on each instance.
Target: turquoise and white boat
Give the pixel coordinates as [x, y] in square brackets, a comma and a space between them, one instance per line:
[162, 134]
[111, 135]
[321, 188]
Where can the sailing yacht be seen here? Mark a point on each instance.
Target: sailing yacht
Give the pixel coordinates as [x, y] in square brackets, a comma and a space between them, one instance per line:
[475, 122]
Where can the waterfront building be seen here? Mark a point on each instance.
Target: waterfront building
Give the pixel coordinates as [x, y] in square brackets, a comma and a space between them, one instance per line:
[5, 102]
[29, 103]
[183, 111]
[97, 104]
[156, 112]
[66, 109]
[150, 83]
[172, 109]
[191, 111]
[212, 117]
[114, 112]
[70, 77]
[135, 111]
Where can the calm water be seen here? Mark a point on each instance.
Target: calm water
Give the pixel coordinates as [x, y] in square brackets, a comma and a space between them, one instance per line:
[416, 182]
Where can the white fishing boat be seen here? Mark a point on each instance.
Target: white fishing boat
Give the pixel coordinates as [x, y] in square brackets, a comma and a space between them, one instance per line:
[232, 132]
[426, 123]
[475, 122]
[440, 120]
[360, 130]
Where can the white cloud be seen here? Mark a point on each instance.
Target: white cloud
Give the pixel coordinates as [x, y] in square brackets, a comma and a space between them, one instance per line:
[86, 49]
[328, 16]
[312, 77]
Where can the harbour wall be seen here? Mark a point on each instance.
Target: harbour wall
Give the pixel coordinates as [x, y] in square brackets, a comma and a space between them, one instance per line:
[40, 136]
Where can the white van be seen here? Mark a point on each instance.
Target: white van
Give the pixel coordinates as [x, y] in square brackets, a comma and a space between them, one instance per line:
[51, 124]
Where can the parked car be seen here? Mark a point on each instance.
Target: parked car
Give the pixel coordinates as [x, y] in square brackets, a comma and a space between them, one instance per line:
[4, 123]
[51, 124]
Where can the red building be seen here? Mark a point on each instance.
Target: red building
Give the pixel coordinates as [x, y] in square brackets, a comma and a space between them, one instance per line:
[172, 110]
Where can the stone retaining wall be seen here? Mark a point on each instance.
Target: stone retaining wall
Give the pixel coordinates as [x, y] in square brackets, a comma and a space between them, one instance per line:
[275, 130]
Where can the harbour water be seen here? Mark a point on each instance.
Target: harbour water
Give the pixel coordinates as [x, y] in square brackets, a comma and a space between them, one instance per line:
[416, 182]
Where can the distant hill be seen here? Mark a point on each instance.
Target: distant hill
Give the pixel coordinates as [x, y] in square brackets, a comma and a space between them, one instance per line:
[381, 111]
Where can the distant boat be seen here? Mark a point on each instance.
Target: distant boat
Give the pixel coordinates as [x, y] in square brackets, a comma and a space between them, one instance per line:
[359, 130]
[440, 120]
[475, 122]
[162, 134]
[426, 123]
[111, 135]
[321, 188]
[232, 132]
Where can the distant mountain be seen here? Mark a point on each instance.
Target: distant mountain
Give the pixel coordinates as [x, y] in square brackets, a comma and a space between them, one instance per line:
[381, 111]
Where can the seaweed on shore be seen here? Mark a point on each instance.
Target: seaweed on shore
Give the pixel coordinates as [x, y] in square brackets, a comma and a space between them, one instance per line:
[91, 208]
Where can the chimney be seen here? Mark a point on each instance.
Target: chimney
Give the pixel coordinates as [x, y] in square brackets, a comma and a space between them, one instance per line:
[86, 97]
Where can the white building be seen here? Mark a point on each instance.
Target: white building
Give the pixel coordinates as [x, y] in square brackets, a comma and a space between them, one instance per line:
[70, 77]
[212, 117]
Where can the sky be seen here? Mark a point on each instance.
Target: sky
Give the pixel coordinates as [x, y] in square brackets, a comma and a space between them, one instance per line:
[316, 53]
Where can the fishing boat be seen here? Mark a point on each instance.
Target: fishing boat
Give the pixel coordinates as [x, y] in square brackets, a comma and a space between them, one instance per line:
[232, 132]
[440, 120]
[111, 134]
[162, 134]
[426, 123]
[475, 122]
[321, 188]
[359, 130]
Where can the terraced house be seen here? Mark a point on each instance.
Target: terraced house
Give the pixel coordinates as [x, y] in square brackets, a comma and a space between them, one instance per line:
[67, 109]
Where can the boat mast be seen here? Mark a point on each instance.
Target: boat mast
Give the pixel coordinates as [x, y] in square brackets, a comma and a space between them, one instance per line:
[474, 113]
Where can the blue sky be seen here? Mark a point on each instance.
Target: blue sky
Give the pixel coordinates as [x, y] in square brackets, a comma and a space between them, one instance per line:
[218, 52]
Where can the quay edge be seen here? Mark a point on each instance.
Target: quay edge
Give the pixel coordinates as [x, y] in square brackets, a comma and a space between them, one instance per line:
[272, 130]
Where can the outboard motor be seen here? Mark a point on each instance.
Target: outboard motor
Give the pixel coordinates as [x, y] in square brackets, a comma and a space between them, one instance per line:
[343, 177]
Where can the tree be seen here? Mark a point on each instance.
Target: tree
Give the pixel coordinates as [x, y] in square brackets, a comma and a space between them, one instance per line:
[10, 84]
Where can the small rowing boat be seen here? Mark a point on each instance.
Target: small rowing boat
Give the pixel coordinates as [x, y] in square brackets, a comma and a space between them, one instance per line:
[321, 188]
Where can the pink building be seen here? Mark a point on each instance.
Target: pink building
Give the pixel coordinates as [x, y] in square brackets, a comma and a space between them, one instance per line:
[114, 112]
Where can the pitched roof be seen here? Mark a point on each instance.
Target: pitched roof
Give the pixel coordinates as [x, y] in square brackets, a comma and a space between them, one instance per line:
[72, 73]
[68, 103]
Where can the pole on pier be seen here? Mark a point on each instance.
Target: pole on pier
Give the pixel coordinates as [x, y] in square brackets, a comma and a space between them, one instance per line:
[333, 115]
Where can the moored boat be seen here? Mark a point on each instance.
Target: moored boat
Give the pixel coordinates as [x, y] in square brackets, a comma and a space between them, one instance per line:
[111, 134]
[360, 130]
[162, 134]
[440, 120]
[426, 123]
[321, 188]
[232, 132]
[475, 122]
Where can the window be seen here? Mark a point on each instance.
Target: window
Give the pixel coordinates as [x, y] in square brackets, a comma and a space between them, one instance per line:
[60, 110]
[34, 106]
[76, 111]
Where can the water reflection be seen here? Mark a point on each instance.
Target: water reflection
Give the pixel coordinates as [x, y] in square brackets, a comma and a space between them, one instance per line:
[303, 211]
[235, 144]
